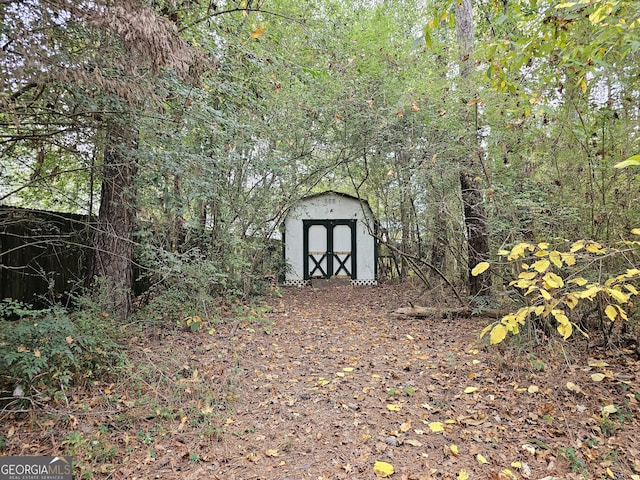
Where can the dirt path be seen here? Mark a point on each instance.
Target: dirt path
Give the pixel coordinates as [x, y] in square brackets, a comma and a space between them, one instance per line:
[333, 383]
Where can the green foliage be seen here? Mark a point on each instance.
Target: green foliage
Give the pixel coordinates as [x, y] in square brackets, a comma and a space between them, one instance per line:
[553, 284]
[52, 349]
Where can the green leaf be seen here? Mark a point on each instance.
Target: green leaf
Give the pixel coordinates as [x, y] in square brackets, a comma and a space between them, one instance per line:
[629, 162]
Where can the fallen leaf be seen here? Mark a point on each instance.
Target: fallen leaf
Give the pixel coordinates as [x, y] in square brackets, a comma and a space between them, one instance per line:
[463, 475]
[609, 409]
[413, 442]
[406, 426]
[454, 449]
[597, 377]
[393, 407]
[470, 389]
[348, 369]
[271, 453]
[573, 387]
[533, 389]
[436, 427]
[383, 469]
[481, 458]
[254, 457]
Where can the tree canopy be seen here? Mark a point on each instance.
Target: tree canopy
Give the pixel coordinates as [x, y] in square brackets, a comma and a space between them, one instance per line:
[189, 127]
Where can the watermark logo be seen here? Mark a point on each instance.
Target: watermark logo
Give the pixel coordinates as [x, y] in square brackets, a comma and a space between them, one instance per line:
[36, 468]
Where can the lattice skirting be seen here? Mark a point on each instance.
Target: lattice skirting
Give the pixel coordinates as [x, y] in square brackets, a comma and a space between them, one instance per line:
[367, 282]
[296, 283]
[364, 282]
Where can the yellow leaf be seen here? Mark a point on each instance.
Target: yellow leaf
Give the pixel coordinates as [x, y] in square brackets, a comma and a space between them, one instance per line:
[454, 449]
[479, 268]
[543, 246]
[463, 475]
[541, 265]
[532, 389]
[597, 377]
[518, 251]
[498, 333]
[528, 275]
[579, 245]
[553, 280]
[595, 248]
[618, 295]
[414, 443]
[609, 409]
[568, 258]
[272, 452]
[485, 330]
[636, 231]
[556, 259]
[470, 389]
[393, 407]
[610, 473]
[611, 312]
[516, 464]
[546, 295]
[578, 281]
[598, 363]
[348, 369]
[481, 459]
[406, 426]
[508, 473]
[565, 329]
[383, 469]
[340, 374]
[436, 427]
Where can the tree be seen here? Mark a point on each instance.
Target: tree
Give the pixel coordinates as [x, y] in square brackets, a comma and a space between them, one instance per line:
[475, 217]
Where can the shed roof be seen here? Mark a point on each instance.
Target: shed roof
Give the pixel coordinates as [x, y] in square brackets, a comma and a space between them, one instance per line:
[341, 194]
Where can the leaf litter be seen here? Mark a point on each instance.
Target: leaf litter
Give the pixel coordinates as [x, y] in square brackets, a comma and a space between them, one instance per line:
[337, 387]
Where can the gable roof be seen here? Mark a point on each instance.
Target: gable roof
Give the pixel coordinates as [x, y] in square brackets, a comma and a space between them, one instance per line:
[340, 194]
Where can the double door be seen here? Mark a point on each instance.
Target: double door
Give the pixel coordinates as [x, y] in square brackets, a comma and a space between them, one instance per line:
[329, 248]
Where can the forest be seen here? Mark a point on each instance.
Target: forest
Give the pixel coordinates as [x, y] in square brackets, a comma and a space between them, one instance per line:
[496, 141]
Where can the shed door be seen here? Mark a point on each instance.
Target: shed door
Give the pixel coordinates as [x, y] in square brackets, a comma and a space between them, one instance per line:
[329, 248]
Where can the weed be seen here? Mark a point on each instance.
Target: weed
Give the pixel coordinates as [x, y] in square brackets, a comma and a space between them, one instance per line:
[73, 443]
[144, 437]
[47, 350]
[194, 457]
[592, 442]
[576, 464]
[537, 364]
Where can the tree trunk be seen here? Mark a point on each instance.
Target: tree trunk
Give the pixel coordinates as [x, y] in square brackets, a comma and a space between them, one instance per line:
[475, 218]
[113, 239]
[475, 221]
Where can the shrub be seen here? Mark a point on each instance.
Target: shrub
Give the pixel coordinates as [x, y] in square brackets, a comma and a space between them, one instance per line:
[51, 349]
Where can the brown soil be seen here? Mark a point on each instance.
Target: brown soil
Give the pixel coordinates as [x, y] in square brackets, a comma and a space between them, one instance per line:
[333, 382]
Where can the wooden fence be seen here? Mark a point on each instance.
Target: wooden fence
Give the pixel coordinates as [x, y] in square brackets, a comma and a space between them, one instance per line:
[42, 254]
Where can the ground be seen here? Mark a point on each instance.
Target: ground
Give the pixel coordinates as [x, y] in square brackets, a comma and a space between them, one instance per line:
[324, 382]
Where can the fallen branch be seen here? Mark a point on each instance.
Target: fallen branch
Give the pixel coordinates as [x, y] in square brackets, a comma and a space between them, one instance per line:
[423, 312]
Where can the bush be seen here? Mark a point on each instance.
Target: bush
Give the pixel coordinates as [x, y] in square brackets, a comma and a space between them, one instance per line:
[51, 349]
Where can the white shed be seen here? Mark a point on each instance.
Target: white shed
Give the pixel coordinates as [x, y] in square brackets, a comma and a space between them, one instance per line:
[330, 235]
